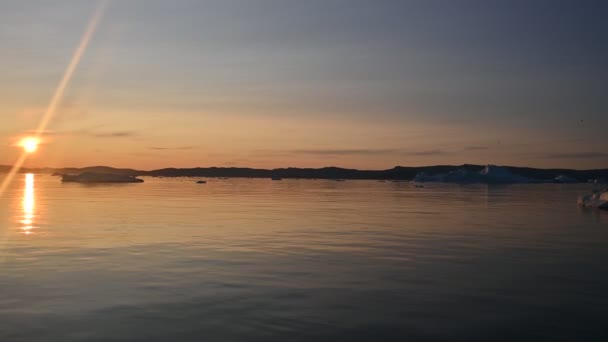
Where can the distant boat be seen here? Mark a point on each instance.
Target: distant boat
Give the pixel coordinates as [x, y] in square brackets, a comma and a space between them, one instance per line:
[339, 180]
[276, 178]
[201, 182]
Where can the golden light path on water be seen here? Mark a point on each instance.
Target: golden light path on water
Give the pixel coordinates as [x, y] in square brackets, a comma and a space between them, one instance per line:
[28, 204]
[59, 91]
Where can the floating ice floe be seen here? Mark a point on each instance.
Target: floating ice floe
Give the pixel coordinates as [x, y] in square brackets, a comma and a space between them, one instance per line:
[596, 200]
[91, 177]
[565, 179]
[490, 174]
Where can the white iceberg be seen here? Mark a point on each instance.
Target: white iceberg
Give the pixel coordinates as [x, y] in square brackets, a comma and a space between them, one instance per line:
[490, 174]
[91, 177]
[497, 174]
[596, 200]
[565, 179]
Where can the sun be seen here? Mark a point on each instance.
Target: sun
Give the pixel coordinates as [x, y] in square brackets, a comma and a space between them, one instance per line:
[30, 145]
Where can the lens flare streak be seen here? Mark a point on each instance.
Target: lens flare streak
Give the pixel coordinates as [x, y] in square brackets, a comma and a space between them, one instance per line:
[67, 76]
[59, 91]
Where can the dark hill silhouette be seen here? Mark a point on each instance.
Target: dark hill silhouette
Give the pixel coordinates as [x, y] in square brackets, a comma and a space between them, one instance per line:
[397, 173]
[98, 170]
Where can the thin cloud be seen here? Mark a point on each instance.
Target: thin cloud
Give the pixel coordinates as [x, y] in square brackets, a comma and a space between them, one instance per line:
[86, 132]
[476, 148]
[370, 152]
[346, 152]
[45, 133]
[580, 155]
[427, 153]
[181, 148]
[234, 163]
[144, 154]
[117, 134]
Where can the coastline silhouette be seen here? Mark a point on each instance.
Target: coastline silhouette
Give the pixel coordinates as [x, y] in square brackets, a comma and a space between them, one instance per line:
[397, 173]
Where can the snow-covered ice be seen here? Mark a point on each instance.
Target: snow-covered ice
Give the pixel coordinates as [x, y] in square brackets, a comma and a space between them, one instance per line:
[90, 177]
[565, 179]
[490, 174]
[597, 199]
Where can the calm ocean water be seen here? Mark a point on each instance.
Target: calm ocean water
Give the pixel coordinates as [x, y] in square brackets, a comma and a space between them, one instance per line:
[300, 260]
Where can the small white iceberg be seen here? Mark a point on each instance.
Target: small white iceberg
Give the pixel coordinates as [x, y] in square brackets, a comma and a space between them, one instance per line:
[491, 174]
[91, 177]
[595, 200]
[563, 179]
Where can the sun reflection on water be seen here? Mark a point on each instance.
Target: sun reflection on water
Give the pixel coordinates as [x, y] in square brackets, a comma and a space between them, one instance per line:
[28, 204]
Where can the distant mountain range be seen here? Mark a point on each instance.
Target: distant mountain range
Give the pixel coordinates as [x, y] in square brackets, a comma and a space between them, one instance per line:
[398, 172]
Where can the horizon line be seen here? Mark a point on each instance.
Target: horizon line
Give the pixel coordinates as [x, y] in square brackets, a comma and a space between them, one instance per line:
[295, 167]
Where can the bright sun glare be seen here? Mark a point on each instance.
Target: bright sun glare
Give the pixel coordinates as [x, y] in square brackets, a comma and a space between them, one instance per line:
[30, 145]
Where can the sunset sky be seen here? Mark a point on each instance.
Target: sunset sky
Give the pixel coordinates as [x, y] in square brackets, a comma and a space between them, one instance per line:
[310, 83]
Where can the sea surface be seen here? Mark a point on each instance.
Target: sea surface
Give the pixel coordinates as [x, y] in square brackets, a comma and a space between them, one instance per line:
[300, 260]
